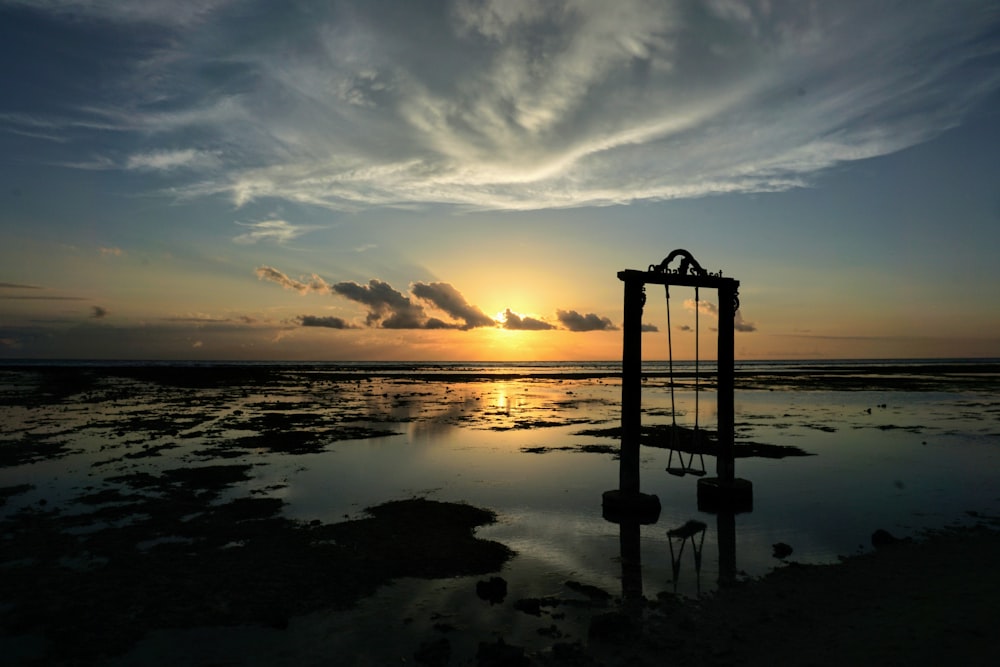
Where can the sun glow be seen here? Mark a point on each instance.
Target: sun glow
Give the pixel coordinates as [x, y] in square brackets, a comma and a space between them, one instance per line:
[499, 344]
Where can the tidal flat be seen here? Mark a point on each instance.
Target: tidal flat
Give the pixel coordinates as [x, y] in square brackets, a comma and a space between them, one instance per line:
[269, 514]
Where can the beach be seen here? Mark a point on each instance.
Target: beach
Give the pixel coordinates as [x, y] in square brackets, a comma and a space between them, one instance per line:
[451, 514]
[926, 602]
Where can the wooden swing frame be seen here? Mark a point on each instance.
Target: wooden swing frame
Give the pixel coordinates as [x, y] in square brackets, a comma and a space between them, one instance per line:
[688, 273]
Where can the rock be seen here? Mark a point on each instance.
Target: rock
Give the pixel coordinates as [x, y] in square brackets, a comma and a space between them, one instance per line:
[781, 550]
[500, 654]
[575, 654]
[551, 631]
[531, 606]
[614, 627]
[593, 592]
[493, 591]
[883, 538]
[435, 653]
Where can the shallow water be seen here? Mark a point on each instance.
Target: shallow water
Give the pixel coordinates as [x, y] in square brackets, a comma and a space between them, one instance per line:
[879, 458]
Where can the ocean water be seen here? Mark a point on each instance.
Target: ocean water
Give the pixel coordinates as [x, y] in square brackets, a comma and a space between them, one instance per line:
[900, 445]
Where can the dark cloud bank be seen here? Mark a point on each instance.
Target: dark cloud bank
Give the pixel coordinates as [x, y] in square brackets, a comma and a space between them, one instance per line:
[388, 308]
[328, 322]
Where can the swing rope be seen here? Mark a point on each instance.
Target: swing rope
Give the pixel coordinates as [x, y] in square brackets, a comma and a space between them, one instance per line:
[697, 358]
[697, 387]
[695, 439]
[670, 367]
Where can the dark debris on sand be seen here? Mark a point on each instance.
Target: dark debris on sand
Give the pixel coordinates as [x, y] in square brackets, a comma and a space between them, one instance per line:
[169, 553]
[612, 450]
[703, 441]
[31, 449]
[930, 601]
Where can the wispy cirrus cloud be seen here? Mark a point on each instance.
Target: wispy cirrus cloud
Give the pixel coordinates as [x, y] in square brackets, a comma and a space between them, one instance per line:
[278, 231]
[168, 160]
[508, 105]
[170, 12]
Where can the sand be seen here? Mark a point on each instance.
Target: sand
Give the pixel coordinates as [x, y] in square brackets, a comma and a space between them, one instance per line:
[933, 601]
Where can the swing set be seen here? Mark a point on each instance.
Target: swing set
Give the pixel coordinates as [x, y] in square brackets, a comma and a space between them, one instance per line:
[724, 489]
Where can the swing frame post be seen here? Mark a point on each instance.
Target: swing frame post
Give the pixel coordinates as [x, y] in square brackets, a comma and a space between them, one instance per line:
[724, 491]
[627, 504]
[725, 462]
[628, 474]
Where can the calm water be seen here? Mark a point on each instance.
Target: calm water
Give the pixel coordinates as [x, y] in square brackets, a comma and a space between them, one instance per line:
[508, 437]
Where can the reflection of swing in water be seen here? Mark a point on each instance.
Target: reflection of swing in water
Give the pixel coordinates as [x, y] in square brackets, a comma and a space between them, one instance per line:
[681, 535]
[696, 437]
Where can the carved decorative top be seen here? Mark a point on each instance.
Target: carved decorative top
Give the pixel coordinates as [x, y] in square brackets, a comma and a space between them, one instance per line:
[688, 266]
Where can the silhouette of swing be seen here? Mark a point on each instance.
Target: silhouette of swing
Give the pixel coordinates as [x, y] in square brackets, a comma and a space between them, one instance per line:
[696, 437]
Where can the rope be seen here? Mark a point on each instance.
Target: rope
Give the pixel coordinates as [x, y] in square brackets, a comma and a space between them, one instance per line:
[697, 379]
[697, 358]
[670, 367]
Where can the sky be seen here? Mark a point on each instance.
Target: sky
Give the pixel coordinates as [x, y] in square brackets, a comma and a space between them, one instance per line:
[463, 180]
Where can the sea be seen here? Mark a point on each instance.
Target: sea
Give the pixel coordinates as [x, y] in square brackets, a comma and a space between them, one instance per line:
[834, 450]
[610, 367]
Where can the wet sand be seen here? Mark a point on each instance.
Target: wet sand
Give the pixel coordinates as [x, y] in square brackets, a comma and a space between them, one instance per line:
[148, 546]
[931, 601]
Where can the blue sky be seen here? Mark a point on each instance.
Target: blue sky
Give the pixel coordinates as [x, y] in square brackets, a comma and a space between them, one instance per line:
[235, 179]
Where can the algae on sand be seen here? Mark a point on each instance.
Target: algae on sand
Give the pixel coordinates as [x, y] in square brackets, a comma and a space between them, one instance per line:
[234, 563]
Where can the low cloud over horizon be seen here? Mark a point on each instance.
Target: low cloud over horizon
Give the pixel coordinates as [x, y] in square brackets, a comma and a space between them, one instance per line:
[516, 322]
[388, 308]
[327, 322]
[574, 321]
[712, 310]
